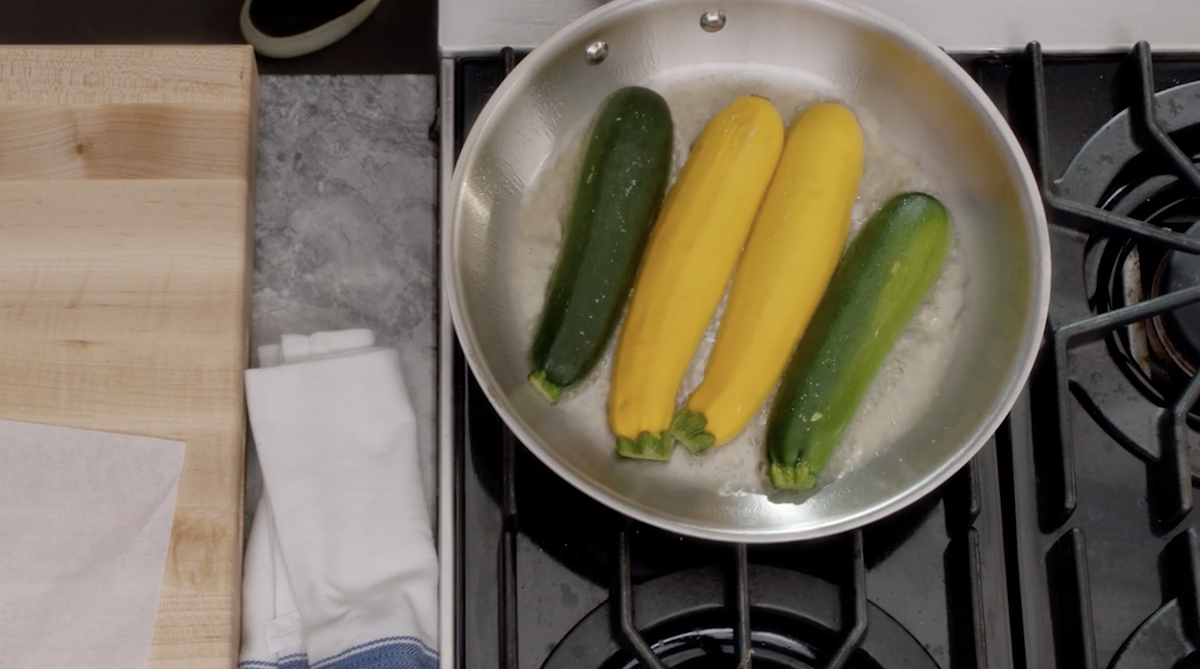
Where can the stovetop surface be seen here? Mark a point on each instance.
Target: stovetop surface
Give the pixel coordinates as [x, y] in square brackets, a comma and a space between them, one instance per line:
[467, 27]
[1069, 541]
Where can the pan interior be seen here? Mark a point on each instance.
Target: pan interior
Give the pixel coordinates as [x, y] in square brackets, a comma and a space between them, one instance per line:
[953, 373]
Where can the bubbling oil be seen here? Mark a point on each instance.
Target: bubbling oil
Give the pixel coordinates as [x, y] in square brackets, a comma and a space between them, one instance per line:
[904, 387]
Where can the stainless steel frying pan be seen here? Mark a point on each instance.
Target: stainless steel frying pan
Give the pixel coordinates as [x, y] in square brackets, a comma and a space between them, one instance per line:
[955, 374]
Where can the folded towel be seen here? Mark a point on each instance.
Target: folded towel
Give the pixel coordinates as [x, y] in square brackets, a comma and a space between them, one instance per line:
[340, 570]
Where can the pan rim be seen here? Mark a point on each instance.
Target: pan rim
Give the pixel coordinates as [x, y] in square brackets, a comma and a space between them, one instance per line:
[1033, 218]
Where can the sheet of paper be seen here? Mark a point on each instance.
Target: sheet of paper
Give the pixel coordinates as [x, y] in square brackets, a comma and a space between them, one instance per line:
[85, 524]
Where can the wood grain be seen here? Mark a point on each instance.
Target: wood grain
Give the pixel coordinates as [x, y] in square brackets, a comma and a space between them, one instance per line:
[126, 220]
[111, 141]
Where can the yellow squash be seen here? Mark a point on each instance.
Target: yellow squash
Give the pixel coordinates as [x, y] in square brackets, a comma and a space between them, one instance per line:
[692, 252]
[791, 254]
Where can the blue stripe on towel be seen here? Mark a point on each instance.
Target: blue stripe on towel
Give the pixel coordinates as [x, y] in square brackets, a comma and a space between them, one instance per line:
[293, 661]
[394, 652]
[403, 652]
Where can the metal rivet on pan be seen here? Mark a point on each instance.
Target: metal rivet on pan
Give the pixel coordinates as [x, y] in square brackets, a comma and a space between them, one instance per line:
[713, 21]
[596, 53]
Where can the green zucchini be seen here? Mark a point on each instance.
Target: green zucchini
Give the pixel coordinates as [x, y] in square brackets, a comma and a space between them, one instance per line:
[618, 192]
[885, 275]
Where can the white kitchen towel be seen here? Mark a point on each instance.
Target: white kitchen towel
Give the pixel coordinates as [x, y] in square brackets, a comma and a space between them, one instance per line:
[85, 524]
[341, 571]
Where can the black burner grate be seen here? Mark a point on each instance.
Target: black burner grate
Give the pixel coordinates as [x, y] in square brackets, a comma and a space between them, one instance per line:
[1100, 530]
[1175, 460]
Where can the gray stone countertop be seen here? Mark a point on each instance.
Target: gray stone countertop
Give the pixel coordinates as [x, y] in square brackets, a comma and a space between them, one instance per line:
[345, 231]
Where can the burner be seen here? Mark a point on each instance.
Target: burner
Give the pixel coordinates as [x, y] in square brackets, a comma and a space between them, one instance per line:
[1178, 331]
[687, 622]
[705, 648]
[1160, 354]
[1156, 356]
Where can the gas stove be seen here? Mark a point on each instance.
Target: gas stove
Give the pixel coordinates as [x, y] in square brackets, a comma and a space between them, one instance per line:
[1069, 541]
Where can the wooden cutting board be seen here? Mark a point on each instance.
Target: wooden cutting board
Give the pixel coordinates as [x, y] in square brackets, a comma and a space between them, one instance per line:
[126, 219]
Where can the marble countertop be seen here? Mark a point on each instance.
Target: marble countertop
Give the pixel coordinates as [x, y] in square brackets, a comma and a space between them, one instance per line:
[345, 230]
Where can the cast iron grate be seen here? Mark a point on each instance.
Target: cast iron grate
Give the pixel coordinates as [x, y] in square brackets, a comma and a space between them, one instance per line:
[1074, 616]
[1175, 463]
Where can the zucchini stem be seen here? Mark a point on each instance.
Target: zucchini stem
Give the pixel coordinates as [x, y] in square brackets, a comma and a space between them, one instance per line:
[647, 446]
[546, 387]
[688, 428]
[796, 476]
